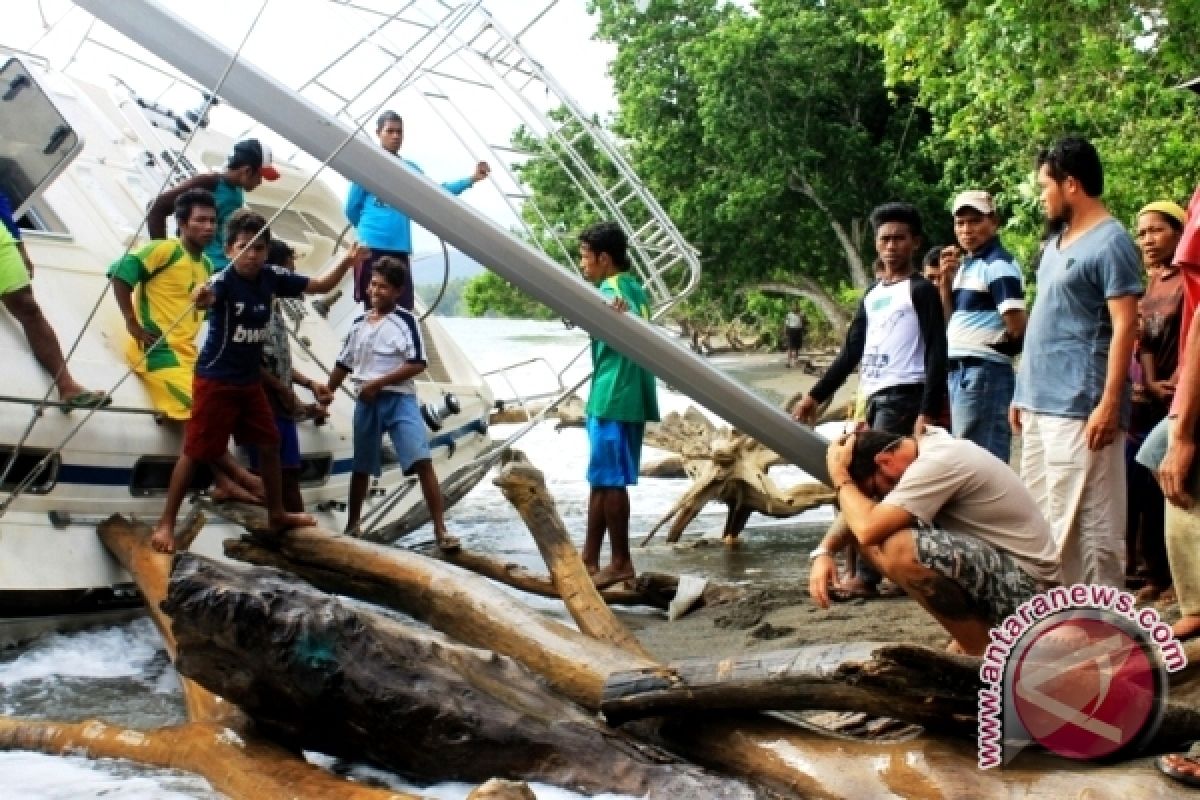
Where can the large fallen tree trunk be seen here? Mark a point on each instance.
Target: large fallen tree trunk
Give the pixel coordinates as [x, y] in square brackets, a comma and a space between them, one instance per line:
[217, 743]
[793, 761]
[915, 684]
[654, 589]
[324, 676]
[931, 688]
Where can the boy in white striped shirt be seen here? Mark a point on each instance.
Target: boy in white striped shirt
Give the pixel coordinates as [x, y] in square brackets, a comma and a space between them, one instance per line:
[383, 353]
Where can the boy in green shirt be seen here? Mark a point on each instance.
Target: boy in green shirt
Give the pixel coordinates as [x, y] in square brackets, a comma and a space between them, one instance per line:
[622, 400]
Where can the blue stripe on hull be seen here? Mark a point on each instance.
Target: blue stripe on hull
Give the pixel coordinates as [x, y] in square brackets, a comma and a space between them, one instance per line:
[121, 476]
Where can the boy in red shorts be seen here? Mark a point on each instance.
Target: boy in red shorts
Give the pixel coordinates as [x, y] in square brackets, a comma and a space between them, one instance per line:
[227, 391]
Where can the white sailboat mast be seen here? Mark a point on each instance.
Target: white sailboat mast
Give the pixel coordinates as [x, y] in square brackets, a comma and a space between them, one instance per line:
[279, 108]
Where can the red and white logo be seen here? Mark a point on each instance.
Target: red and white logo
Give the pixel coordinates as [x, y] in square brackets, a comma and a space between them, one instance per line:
[1085, 688]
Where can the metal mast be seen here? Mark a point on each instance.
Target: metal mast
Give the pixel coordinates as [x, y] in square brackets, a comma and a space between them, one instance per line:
[358, 159]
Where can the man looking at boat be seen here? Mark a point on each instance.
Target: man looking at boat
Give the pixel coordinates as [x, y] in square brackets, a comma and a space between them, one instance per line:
[1072, 398]
[946, 521]
[898, 341]
[387, 231]
[984, 301]
[248, 166]
[16, 292]
[623, 398]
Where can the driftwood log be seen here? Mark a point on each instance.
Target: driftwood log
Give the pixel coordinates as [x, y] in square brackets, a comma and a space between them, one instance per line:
[794, 762]
[730, 467]
[218, 743]
[915, 684]
[321, 675]
[653, 589]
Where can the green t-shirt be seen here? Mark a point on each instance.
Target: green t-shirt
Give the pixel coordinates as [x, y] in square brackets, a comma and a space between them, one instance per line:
[622, 390]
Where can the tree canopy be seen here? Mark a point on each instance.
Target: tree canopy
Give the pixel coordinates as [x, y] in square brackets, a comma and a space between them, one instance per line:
[768, 133]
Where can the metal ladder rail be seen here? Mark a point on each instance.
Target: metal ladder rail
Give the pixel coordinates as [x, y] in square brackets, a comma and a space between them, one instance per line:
[424, 75]
[612, 204]
[603, 143]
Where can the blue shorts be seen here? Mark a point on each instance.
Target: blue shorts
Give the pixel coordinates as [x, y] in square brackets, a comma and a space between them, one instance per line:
[615, 452]
[289, 445]
[399, 415]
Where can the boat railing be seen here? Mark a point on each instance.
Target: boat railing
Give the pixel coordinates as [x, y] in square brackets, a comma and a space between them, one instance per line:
[110, 409]
[522, 400]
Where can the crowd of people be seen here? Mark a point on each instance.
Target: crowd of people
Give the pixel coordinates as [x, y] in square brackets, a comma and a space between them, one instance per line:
[1095, 382]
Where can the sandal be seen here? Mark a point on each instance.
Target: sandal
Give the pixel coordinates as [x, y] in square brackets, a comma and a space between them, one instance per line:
[85, 399]
[449, 544]
[1192, 754]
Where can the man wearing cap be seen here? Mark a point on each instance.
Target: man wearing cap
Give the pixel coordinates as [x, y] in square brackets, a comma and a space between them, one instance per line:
[248, 166]
[984, 301]
[946, 521]
[387, 231]
[1072, 401]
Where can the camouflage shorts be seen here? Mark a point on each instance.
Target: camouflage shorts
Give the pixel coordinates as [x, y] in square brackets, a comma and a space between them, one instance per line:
[993, 580]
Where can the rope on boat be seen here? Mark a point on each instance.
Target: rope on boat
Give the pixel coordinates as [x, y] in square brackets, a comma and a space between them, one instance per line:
[176, 165]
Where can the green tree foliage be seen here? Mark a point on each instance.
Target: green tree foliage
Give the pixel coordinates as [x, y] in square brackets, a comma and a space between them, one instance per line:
[489, 295]
[1003, 78]
[451, 303]
[768, 136]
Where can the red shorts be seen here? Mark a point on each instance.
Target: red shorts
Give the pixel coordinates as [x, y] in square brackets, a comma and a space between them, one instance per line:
[220, 410]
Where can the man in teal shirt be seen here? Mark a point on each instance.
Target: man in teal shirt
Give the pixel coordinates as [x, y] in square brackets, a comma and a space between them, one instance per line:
[622, 400]
[248, 166]
[387, 231]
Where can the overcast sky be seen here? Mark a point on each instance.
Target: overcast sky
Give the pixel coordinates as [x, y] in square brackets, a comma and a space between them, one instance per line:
[295, 38]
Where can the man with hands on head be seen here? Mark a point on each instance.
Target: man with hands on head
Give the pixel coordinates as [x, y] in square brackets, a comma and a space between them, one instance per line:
[946, 521]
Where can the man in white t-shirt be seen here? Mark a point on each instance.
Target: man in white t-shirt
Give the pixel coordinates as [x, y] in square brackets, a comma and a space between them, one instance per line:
[946, 521]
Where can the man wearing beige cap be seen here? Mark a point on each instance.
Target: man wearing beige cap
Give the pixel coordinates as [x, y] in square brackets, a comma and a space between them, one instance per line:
[984, 302]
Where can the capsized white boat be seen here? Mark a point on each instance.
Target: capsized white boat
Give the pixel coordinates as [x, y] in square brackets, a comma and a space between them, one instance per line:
[81, 163]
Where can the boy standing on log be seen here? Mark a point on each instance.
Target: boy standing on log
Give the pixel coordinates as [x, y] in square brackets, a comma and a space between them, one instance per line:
[384, 351]
[622, 400]
[227, 391]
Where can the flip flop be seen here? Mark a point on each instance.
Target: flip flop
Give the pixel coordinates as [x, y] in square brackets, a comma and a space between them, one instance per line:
[85, 399]
[1174, 773]
[449, 544]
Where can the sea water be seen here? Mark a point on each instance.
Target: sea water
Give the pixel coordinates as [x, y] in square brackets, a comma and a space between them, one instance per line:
[121, 674]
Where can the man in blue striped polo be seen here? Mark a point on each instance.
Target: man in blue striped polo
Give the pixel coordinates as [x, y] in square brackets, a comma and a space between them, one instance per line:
[984, 301]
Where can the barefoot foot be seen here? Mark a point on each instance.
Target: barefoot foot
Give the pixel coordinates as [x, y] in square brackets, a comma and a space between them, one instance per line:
[610, 577]
[163, 540]
[289, 520]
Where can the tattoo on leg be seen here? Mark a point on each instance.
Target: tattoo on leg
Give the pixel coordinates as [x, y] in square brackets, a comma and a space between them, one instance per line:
[945, 597]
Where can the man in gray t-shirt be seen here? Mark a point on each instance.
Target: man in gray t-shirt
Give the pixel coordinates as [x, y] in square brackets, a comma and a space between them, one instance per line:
[945, 520]
[1072, 397]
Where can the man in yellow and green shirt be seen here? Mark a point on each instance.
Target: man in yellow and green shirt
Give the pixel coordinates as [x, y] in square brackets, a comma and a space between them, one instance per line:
[153, 287]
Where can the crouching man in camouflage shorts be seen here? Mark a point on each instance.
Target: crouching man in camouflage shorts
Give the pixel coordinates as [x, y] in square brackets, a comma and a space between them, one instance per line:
[946, 521]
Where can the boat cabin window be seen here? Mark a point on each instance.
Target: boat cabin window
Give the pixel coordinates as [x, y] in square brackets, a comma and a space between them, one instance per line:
[315, 469]
[27, 460]
[36, 145]
[152, 475]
